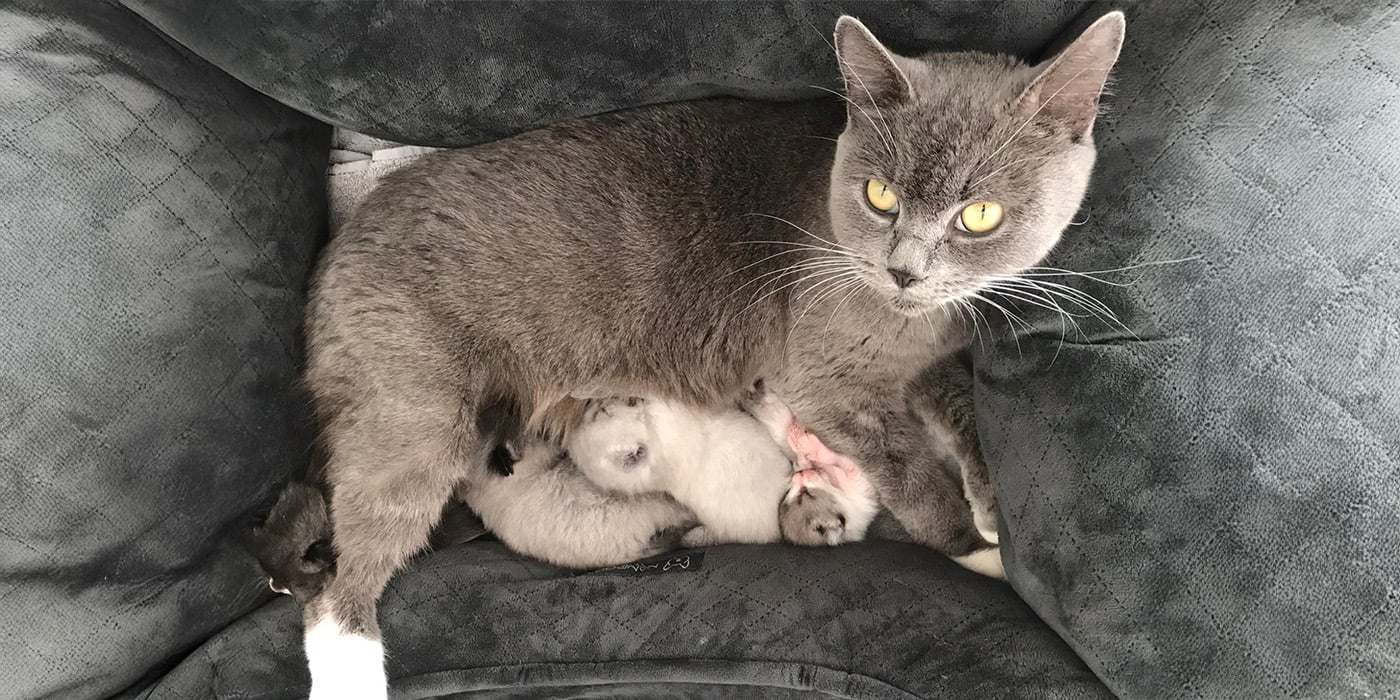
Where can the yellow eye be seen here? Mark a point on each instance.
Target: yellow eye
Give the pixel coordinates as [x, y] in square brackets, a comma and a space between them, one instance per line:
[979, 217]
[880, 197]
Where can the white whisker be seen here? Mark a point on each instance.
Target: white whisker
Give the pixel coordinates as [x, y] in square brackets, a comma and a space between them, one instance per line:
[1039, 271]
[835, 310]
[763, 260]
[803, 230]
[996, 170]
[1092, 305]
[1029, 119]
[773, 276]
[1045, 302]
[841, 285]
[886, 140]
[788, 285]
[1084, 299]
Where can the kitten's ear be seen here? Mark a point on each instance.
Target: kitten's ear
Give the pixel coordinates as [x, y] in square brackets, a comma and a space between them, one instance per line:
[1068, 87]
[871, 73]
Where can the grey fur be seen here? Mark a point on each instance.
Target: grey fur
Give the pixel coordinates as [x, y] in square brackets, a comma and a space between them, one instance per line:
[647, 253]
[941, 396]
[292, 543]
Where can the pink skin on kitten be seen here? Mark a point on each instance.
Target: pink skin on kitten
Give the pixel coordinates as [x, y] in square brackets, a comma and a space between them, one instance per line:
[815, 458]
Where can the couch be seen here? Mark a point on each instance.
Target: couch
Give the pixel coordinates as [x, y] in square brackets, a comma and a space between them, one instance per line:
[1199, 503]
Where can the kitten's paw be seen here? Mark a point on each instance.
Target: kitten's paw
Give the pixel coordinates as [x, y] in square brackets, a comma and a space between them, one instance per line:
[669, 539]
[765, 406]
[612, 408]
[698, 537]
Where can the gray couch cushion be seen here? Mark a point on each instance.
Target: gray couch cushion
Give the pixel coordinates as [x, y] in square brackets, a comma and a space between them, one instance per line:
[157, 219]
[456, 73]
[1210, 509]
[878, 620]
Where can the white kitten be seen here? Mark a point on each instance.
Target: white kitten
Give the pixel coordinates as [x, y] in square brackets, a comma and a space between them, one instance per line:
[733, 469]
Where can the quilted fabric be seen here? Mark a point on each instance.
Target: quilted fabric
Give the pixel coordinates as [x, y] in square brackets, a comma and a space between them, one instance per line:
[446, 73]
[879, 620]
[157, 219]
[1208, 507]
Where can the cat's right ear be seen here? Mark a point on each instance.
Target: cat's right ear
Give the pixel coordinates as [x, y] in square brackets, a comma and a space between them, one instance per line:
[873, 76]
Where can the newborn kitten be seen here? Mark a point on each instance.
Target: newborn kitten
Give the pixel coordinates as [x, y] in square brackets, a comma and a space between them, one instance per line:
[733, 470]
[548, 510]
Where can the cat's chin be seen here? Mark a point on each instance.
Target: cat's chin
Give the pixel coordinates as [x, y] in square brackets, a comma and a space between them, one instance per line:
[905, 306]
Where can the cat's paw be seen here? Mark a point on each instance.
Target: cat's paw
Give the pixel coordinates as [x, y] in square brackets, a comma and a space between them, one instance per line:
[985, 519]
[984, 561]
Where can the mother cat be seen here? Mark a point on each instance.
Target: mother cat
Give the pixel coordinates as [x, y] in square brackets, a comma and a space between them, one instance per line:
[684, 251]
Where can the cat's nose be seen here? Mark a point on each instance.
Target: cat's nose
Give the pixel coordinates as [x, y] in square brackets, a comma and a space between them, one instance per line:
[903, 278]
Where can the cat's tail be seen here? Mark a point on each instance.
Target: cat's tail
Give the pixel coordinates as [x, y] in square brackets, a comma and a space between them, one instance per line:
[292, 544]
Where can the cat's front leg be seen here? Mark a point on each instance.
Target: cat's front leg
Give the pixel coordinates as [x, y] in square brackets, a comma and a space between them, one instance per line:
[941, 397]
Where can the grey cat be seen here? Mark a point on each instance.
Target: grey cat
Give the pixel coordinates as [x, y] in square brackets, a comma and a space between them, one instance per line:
[683, 251]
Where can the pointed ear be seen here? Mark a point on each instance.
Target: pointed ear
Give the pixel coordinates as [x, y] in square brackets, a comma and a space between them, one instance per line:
[1068, 87]
[872, 76]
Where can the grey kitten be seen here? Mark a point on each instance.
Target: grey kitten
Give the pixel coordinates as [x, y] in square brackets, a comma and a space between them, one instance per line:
[682, 251]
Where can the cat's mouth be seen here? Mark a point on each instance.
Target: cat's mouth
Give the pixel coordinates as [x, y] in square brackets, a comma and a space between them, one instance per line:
[921, 302]
[908, 306]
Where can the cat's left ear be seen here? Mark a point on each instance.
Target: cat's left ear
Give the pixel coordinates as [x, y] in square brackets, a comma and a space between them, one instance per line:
[1068, 87]
[872, 75]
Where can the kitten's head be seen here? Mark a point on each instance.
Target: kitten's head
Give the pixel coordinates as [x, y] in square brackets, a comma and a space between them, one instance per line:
[957, 166]
[818, 511]
[612, 446]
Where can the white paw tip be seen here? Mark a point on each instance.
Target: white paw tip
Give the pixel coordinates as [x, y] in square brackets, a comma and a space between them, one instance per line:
[984, 561]
[345, 666]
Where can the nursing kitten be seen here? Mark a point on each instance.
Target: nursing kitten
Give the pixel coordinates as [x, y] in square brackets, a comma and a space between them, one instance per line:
[830, 500]
[682, 251]
[735, 473]
[548, 510]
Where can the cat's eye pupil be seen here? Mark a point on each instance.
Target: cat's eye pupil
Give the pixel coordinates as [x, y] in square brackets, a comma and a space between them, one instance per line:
[979, 217]
[880, 198]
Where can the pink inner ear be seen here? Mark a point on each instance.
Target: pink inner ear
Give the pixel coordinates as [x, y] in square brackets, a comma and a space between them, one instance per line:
[1068, 88]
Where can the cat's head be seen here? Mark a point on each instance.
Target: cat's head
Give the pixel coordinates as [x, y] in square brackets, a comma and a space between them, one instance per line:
[957, 166]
